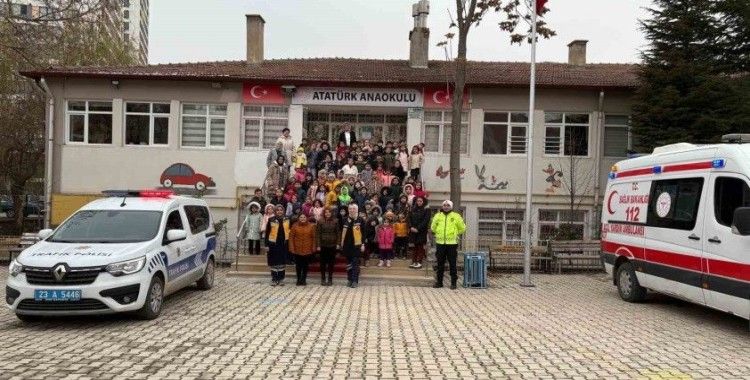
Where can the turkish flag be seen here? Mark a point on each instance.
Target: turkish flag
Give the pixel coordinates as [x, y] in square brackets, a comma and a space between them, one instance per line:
[253, 93]
[540, 6]
[442, 97]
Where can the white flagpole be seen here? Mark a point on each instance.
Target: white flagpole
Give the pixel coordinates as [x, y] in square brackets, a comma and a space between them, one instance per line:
[530, 154]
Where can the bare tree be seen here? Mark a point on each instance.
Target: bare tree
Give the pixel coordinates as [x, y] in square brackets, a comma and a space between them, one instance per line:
[56, 32]
[579, 182]
[470, 13]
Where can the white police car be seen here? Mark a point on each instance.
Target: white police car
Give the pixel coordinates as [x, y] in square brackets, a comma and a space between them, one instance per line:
[122, 253]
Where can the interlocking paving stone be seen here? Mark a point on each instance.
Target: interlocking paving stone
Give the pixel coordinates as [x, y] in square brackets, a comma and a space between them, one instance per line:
[570, 326]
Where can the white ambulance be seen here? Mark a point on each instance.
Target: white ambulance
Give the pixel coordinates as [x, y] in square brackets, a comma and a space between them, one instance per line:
[678, 222]
[122, 253]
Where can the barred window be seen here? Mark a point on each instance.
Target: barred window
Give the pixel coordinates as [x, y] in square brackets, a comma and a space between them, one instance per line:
[550, 222]
[566, 134]
[499, 226]
[504, 132]
[436, 131]
[262, 125]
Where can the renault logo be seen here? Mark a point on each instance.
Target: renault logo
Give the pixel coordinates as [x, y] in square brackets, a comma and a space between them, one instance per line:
[59, 272]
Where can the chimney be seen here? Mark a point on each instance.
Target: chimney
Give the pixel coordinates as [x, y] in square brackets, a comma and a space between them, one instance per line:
[577, 52]
[255, 25]
[420, 35]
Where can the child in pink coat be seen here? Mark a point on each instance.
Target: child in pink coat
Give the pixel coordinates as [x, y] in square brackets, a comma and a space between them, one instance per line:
[385, 237]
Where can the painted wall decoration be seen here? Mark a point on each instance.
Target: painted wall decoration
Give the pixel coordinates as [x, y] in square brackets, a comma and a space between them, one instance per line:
[443, 174]
[493, 184]
[182, 178]
[553, 179]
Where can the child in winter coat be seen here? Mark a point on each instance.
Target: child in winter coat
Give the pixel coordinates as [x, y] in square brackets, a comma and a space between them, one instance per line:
[386, 238]
[267, 214]
[300, 160]
[317, 210]
[401, 243]
[370, 230]
[252, 226]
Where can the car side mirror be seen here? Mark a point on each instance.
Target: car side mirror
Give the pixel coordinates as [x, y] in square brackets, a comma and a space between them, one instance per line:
[45, 233]
[741, 221]
[175, 235]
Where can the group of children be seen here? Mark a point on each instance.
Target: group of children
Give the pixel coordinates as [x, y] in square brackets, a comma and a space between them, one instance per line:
[390, 198]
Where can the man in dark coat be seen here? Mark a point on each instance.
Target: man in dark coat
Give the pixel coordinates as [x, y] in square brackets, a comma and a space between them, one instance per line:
[419, 222]
[347, 135]
[352, 240]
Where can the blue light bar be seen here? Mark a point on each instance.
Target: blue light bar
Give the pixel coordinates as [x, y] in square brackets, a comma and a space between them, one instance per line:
[612, 175]
[718, 163]
[657, 169]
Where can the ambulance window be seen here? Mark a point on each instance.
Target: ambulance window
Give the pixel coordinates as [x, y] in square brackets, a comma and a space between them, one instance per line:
[729, 194]
[198, 218]
[174, 222]
[675, 203]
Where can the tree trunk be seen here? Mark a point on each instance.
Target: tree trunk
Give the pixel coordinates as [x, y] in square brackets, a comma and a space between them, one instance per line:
[459, 82]
[18, 207]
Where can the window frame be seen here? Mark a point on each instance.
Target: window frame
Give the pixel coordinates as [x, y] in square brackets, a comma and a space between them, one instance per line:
[628, 129]
[562, 127]
[261, 126]
[208, 117]
[442, 128]
[85, 113]
[510, 124]
[152, 115]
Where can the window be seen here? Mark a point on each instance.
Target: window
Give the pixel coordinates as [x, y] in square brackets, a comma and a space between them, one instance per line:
[729, 194]
[89, 122]
[146, 123]
[616, 135]
[198, 218]
[504, 132]
[566, 134]
[262, 125]
[436, 132]
[126, 14]
[204, 125]
[553, 222]
[108, 226]
[499, 226]
[21, 10]
[674, 203]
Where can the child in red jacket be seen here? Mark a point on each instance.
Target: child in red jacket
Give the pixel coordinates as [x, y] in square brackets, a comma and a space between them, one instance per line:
[386, 236]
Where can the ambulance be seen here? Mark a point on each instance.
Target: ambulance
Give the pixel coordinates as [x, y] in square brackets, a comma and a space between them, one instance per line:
[677, 222]
[121, 253]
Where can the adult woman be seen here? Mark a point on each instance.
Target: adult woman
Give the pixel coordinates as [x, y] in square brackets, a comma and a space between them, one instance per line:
[277, 176]
[277, 237]
[287, 144]
[328, 232]
[302, 243]
[274, 153]
[419, 221]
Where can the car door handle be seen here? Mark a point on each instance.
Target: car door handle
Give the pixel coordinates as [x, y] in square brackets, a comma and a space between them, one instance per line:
[714, 239]
[694, 237]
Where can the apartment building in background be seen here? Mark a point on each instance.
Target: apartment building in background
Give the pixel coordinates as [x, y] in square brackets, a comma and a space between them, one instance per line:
[126, 20]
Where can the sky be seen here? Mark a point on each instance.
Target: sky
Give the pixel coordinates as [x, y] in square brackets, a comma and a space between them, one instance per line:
[196, 31]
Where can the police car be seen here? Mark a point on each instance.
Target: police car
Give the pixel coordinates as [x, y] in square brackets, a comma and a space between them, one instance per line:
[121, 253]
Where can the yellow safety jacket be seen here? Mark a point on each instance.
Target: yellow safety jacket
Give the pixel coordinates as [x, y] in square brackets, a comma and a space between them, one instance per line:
[447, 227]
[275, 231]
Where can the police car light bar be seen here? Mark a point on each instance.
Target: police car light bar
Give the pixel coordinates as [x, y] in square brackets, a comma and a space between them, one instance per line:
[138, 193]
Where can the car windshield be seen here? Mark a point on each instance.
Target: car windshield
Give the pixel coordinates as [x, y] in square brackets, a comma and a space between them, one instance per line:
[108, 226]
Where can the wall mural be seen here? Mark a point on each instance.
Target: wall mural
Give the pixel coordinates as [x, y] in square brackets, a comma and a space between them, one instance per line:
[443, 174]
[553, 179]
[493, 185]
[183, 179]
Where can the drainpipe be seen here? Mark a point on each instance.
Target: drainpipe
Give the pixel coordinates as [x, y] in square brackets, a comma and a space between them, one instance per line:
[48, 152]
[597, 167]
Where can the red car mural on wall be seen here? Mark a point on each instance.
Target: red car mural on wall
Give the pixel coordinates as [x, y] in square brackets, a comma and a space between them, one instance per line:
[183, 174]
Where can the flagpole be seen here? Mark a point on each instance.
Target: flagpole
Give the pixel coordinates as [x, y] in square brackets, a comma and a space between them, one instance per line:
[530, 153]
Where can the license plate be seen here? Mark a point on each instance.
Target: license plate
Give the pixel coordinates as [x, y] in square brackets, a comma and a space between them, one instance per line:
[57, 295]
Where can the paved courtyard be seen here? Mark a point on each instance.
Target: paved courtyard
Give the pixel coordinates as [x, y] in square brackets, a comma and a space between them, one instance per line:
[570, 326]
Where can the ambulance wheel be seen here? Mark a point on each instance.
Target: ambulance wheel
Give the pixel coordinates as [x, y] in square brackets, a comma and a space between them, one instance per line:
[154, 299]
[207, 281]
[167, 183]
[627, 284]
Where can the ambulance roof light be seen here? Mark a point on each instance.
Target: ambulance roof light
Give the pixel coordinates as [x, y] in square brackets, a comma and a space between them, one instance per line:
[718, 163]
[657, 169]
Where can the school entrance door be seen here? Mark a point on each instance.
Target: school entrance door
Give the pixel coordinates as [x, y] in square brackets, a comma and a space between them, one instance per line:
[374, 126]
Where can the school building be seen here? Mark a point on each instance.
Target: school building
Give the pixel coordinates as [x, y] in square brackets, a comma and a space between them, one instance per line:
[207, 127]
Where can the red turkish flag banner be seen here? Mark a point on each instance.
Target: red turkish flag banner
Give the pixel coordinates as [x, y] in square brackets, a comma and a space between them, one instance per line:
[539, 6]
[253, 93]
[442, 97]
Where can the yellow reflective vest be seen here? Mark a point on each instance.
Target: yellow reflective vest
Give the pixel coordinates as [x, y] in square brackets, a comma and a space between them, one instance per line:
[447, 227]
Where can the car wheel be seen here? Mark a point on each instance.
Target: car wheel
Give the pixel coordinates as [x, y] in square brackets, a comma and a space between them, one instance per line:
[207, 281]
[167, 183]
[28, 318]
[154, 299]
[200, 186]
[627, 284]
